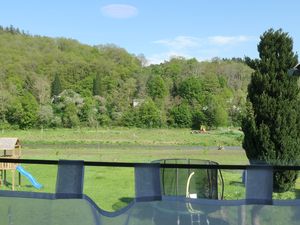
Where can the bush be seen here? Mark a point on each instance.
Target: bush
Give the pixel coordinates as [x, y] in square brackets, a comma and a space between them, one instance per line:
[149, 115]
[130, 118]
[181, 115]
[70, 118]
[198, 119]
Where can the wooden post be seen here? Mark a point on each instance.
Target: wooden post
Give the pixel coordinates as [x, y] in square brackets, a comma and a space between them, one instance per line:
[19, 179]
[13, 179]
[4, 177]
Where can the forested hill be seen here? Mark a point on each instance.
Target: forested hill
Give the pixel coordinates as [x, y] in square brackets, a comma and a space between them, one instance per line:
[58, 82]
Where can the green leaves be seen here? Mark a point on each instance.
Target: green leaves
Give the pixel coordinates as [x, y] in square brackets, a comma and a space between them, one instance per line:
[271, 124]
[191, 89]
[97, 85]
[56, 88]
[149, 115]
[22, 111]
[46, 67]
[181, 115]
[156, 87]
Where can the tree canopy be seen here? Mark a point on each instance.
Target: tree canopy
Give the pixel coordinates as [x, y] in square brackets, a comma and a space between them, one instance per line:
[41, 77]
[272, 122]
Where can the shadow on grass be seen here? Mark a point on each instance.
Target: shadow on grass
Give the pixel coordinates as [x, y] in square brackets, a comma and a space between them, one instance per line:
[8, 185]
[122, 203]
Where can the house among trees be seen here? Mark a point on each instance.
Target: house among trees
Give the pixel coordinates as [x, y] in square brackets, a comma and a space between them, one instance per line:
[136, 102]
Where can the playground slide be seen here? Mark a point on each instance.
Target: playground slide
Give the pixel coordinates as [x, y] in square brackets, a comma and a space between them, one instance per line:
[29, 177]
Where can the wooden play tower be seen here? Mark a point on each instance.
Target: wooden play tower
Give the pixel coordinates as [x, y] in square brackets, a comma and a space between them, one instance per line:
[10, 148]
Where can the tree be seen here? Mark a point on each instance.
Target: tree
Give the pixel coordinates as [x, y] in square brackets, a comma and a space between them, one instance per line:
[190, 89]
[30, 111]
[14, 112]
[215, 112]
[181, 115]
[96, 85]
[130, 118]
[56, 86]
[198, 119]
[156, 87]
[4, 98]
[142, 59]
[70, 118]
[272, 122]
[45, 115]
[41, 90]
[88, 113]
[23, 111]
[149, 115]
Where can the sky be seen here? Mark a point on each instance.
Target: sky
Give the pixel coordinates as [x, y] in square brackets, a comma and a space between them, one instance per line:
[159, 29]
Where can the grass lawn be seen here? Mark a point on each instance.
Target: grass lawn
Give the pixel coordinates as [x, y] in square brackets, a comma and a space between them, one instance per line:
[112, 188]
[128, 136]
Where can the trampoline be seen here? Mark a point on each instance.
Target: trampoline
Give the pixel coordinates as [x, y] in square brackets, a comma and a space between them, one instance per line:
[191, 182]
[150, 207]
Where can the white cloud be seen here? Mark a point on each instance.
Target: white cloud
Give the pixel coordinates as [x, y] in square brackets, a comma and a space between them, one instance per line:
[180, 42]
[119, 11]
[163, 56]
[228, 40]
[203, 48]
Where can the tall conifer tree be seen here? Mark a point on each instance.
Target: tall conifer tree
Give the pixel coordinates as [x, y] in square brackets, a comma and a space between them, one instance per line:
[272, 122]
[96, 85]
[56, 86]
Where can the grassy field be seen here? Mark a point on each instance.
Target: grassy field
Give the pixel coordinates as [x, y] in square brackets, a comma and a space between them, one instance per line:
[126, 136]
[112, 188]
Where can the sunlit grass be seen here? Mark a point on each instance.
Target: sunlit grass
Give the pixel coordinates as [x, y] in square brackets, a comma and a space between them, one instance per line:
[126, 136]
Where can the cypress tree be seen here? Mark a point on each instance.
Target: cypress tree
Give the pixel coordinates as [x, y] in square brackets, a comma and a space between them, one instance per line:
[56, 86]
[272, 122]
[96, 85]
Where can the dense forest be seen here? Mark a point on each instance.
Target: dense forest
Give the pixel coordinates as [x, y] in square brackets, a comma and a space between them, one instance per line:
[58, 82]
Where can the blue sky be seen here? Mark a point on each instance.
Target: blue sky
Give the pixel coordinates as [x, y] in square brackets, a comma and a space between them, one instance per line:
[159, 29]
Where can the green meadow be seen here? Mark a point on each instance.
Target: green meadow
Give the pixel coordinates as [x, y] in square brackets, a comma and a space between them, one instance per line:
[113, 188]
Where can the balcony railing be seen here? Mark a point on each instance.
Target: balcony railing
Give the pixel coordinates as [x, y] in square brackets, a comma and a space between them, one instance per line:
[69, 205]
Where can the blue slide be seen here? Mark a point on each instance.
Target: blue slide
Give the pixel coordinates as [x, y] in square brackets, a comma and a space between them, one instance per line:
[29, 177]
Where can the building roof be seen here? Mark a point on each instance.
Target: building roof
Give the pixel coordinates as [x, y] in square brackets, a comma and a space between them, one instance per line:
[9, 143]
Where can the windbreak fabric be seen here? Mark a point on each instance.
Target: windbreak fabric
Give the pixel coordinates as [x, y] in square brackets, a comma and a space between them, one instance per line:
[31, 211]
[154, 204]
